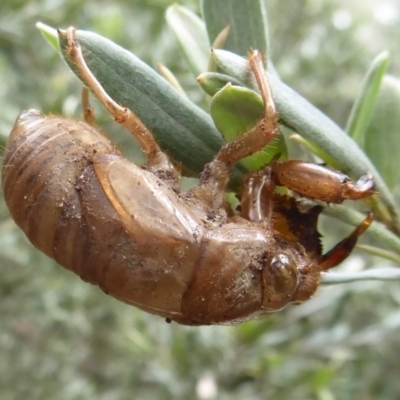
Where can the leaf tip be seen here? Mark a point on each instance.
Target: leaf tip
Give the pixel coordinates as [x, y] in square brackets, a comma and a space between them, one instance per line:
[384, 55]
[50, 34]
[170, 9]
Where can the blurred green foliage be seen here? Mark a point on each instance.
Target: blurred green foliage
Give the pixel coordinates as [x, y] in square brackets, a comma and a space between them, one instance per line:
[61, 338]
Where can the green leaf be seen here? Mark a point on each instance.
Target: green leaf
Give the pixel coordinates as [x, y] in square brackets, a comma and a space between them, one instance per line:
[377, 231]
[212, 82]
[192, 36]
[378, 274]
[363, 107]
[382, 136]
[181, 128]
[169, 76]
[235, 110]
[323, 155]
[247, 20]
[377, 251]
[302, 117]
[50, 34]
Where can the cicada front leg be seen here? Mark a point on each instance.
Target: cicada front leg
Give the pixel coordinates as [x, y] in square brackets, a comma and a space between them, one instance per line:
[214, 179]
[317, 182]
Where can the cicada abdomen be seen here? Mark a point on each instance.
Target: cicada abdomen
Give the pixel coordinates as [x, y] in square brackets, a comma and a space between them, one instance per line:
[48, 183]
[112, 223]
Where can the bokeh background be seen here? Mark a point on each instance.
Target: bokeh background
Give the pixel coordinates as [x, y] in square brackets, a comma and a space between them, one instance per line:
[63, 339]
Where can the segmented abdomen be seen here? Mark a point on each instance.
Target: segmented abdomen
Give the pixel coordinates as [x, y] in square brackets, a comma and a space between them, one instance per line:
[53, 194]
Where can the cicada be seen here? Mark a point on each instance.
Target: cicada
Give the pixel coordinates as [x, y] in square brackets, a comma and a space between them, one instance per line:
[184, 256]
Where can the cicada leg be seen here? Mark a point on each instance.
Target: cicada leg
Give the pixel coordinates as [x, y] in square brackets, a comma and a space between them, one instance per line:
[157, 160]
[342, 250]
[88, 111]
[317, 182]
[215, 176]
[257, 199]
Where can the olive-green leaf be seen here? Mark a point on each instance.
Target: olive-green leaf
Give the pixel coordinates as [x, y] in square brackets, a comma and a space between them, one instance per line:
[192, 37]
[50, 34]
[378, 274]
[247, 20]
[235, 110]
[377, 231]
[382, 137]
[212, 82]
[181, 128]
[363, 107]
[323, 155]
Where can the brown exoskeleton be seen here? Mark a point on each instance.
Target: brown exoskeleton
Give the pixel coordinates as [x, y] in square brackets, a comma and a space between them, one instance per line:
[180, 255]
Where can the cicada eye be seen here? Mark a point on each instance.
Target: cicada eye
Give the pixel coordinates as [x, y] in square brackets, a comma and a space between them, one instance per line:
[281, 276]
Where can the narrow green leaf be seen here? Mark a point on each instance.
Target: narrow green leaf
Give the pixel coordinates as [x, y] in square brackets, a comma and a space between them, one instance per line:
[377, 231]
[192, 36]
[323, 155]
[235, 110]
[312, 124]
[50, 34]
[377, 251]
[382, 136]
[181, 128]
[220, 40]
[247, 20]
[218, 43]
[378, 274]
[363, 107]
[169, 76]
[212, 82]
